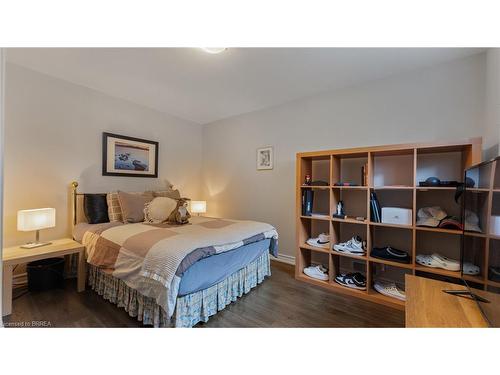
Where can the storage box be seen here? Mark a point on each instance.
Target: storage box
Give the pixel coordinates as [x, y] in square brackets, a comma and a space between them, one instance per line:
[396, 215]
[495, 225]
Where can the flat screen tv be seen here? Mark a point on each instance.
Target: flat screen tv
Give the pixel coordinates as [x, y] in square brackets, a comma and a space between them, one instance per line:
[480, 250]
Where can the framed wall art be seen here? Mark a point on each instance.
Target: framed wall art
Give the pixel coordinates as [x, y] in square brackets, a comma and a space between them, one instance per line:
[129, 156]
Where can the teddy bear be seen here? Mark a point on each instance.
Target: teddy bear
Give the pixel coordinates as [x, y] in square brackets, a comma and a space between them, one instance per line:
[180, 215]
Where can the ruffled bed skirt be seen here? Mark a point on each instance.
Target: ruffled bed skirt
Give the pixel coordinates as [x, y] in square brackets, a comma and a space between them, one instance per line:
[190, 309]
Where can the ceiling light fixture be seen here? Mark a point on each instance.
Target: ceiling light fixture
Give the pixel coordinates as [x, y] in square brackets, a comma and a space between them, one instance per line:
[214, 50]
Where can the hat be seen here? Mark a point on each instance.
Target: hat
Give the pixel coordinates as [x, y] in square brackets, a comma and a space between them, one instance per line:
[471, 221]
[451, 222]
[430, 216]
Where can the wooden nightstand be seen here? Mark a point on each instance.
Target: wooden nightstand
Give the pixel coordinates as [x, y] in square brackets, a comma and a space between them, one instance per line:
[16, 255]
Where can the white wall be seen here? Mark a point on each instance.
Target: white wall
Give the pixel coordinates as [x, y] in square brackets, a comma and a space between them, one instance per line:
[492, 131]
[445, 102]
[53, 130]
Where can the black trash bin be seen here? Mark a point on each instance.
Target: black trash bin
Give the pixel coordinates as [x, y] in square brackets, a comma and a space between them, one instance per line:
[45, 274]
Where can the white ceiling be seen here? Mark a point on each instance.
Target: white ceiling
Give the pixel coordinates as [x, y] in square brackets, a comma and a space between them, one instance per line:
[194, 85]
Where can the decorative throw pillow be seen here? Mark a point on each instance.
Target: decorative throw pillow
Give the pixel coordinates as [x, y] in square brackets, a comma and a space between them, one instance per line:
[95, 208]
[132, 205]
[114, 209]
[158, 210]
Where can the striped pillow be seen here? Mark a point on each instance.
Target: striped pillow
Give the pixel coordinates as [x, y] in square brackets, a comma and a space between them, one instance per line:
[114, 208]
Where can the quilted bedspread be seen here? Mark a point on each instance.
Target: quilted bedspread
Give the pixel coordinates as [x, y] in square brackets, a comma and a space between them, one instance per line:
[152, 258]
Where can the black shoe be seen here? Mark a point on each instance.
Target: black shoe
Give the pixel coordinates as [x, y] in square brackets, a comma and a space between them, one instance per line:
[352, 280]
[389, 253]
[494, 274]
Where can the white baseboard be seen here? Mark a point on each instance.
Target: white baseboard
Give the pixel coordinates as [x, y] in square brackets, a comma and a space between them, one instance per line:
[288, 259]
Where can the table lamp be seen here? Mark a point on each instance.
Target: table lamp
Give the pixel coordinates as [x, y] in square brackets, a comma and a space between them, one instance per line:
[198, 207]
[40, 218]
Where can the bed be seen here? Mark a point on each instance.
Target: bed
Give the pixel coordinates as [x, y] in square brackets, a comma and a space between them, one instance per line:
[174, 275]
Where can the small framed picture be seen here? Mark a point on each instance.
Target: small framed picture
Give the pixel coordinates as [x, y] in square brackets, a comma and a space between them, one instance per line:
[128, 156]
[265, 158]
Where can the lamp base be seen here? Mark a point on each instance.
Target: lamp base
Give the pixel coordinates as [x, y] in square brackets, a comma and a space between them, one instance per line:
[32, 245]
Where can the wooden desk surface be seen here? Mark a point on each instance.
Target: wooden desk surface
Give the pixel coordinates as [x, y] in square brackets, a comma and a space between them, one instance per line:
[427, 306]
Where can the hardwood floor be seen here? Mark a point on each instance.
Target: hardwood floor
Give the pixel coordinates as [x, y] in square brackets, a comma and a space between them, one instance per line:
[280, 301]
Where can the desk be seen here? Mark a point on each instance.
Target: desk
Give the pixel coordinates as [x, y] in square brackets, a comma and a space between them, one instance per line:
[428, 306]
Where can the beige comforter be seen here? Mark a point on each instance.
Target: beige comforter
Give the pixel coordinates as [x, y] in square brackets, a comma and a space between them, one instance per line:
[152, 258]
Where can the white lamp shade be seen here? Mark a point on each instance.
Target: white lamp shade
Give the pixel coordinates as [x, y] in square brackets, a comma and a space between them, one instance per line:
[40, 218]
[198, 207]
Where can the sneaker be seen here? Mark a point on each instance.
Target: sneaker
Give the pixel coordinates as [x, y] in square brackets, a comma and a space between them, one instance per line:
[389, 289]
[317, 272]
[323, 241]
[354, 246]
[390, 253]
[352, 280]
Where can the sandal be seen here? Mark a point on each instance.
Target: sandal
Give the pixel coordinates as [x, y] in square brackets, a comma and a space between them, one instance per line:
[446, 263]
[438, 261]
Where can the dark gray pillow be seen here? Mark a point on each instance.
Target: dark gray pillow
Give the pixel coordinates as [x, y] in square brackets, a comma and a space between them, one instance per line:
[95, 208]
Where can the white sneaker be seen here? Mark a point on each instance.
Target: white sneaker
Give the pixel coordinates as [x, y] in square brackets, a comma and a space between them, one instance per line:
[323, 241]
[317, 272]
[353, 246]
[389, 289]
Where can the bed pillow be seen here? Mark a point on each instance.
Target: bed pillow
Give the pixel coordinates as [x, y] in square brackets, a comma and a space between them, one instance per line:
[114, 209]
[132, 205]
[95, 208]
[158, 210]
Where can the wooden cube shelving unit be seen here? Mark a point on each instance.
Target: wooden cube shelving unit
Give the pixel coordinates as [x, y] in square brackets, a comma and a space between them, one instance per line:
[393, 173]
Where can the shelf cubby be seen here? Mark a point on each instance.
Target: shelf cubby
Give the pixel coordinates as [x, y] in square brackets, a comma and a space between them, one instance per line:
[347, 168]
[309, 257]
[312, 227]
[321, 202]
[495, 211]
[344, 231]
[318, 167]
[496, 178]
[346, 265]
[494, 255]
[445, 244]
[482, 176]
[474, 252]
[392, 168]
[398, 238]
[354, 202]
[400, 198]
[447, 165]
[477, 202]
[441, 198]
[388, 273]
